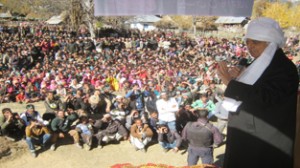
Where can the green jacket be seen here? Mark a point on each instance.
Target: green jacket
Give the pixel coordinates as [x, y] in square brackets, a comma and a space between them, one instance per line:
[209, 105]
[63, 125]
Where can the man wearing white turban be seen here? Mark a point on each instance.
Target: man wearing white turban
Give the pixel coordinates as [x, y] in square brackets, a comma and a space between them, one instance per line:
[261, 100]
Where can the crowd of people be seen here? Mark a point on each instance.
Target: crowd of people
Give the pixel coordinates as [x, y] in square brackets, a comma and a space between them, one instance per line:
[151, 86]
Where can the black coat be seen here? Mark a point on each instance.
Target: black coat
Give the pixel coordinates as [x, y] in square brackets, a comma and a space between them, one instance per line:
[262, 131]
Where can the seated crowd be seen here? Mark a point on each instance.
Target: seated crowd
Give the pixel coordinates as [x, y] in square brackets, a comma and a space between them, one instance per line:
[151, 87]
[106, 117]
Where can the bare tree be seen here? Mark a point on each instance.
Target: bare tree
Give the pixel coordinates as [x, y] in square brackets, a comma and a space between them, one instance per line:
[88, 9]
[82, 12]
[76, 14]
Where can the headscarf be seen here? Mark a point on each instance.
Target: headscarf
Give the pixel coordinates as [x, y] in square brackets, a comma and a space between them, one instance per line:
[266, 29]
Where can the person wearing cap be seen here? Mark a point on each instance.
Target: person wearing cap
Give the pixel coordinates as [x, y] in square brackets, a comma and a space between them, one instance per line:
[119, 113]
[118, 100]
[31, 114]
[261, 101]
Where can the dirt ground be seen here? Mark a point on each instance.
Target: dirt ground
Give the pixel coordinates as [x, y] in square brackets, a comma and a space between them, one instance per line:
[16, 154]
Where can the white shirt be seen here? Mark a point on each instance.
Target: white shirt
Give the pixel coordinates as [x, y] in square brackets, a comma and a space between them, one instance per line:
[167, 109]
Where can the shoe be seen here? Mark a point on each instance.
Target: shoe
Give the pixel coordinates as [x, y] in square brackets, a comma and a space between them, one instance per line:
[43, 148]
[33, 154]
[143, 150]
[78, 145]
[175, 150]
[53, 147]
[165, 150]
[11, 139]
[87, 147]
[136, 149]
[100, 146]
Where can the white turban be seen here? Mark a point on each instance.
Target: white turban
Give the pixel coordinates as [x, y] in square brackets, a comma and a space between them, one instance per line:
[265, 29]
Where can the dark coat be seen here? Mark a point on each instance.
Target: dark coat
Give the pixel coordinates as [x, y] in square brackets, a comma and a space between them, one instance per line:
[262, 131]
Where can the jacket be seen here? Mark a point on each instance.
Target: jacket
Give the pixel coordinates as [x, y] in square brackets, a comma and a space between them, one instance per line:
[136, 133]
[262, 131]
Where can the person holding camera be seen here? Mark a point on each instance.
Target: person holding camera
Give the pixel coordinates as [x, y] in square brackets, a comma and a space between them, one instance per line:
[36, 134]
[201, 137]
[76, 102]
[11, 125]
[136, 96]
[168, 139]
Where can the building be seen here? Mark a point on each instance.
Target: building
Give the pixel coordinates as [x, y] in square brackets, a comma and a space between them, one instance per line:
[143, 23]
[227, 20]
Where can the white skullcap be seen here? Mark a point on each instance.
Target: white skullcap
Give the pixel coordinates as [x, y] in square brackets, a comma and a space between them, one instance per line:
[265, 29]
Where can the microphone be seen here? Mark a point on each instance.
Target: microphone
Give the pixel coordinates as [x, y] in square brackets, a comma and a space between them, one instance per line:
[242, 63]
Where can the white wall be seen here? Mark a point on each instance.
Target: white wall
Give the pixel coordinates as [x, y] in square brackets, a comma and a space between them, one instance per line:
[142, 27]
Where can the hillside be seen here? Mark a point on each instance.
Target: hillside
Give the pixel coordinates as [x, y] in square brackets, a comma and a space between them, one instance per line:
[36, 8]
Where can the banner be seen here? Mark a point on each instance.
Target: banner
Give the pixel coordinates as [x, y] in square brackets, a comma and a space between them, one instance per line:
[176, 7]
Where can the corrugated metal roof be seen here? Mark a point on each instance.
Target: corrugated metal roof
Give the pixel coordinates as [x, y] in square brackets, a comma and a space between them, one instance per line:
[230, 20]
[144, 19]
[5, 15]
[55, 20]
